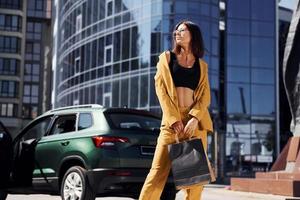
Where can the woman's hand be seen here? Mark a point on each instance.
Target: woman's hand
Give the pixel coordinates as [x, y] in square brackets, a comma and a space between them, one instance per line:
[191, 127]
[178, 127]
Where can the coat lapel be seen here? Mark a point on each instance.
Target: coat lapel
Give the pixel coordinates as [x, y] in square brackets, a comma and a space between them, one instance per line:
[202, 72]
[168, 79]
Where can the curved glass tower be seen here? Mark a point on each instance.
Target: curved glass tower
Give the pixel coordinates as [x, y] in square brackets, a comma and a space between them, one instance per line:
[106, 51]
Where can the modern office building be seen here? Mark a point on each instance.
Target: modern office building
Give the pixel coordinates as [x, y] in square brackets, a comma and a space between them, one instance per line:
[25, 40]
[106, 51]
[251, 89]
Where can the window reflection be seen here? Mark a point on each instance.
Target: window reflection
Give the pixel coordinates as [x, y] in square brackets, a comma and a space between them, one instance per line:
[265, 76]
[134, 91]
[262, 28]
[263, 101]
[238, 74]
[237, 147]
[263, 138]
[238, 50]
[238, 9]
[238, 98]
[236, 26]
[263, 51]
[263, 9]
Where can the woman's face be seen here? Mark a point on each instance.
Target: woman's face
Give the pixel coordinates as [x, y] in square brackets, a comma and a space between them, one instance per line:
[182, 35]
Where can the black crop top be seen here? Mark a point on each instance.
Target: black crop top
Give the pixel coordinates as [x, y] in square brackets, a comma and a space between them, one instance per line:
[182, 76]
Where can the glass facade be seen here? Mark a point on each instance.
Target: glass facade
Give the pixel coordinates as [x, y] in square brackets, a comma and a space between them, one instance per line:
[33, 64]
[250, 52]
[11, 4]
[8, 88]
[10, 44]
[25, 61]
[10, 23]
[9, 66]
[11, 29]
[109, 56]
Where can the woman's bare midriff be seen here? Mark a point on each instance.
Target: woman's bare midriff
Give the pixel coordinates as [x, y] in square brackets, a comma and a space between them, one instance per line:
[185, 96]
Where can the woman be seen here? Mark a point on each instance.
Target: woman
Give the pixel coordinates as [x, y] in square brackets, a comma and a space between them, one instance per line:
[182, 87]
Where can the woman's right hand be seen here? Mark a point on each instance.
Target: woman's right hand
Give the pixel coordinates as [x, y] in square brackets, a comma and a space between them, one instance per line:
[178, 127]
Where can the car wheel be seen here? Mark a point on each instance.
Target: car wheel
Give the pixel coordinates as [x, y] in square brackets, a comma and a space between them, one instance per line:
[75, 185]
[3, 195]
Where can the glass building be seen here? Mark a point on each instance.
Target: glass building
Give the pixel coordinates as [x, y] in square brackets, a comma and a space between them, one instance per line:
[251, 96]
[106, 51]
[25, 30]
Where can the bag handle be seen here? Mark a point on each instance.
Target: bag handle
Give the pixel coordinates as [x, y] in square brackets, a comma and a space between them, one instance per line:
[177, 139]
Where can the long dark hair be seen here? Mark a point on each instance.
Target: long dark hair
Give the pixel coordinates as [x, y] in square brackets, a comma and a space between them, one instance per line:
[196, 43]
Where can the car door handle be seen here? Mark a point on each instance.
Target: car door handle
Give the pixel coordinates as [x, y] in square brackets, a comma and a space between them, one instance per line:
[65, 143]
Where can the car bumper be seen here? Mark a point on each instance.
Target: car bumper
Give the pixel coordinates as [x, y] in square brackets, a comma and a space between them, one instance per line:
[122, 181]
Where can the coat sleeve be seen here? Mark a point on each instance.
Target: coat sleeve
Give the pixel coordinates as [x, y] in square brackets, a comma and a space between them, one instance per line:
[170, 113]
[202, 103]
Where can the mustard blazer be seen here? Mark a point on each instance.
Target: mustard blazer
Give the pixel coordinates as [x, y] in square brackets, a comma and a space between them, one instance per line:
[167, 95]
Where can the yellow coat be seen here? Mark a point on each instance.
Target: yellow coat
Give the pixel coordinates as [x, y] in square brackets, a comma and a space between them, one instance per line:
[167, 95]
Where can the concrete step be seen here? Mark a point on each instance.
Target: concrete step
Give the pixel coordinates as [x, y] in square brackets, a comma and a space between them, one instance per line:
[267, 186]
[277, 175]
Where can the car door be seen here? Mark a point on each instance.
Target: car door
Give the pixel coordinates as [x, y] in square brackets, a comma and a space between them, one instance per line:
[50, 149]
[6, 154]
[25, 163]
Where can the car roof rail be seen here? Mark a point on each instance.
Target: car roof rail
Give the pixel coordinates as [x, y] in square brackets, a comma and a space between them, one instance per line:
[77, 106]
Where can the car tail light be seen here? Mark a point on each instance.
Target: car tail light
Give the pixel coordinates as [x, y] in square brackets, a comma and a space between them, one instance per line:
[108, 141]
[125, 173]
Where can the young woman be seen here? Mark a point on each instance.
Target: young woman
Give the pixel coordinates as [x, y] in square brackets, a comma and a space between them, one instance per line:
[182, 87]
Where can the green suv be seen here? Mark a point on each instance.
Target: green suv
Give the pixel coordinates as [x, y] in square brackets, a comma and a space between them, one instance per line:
[81, 152]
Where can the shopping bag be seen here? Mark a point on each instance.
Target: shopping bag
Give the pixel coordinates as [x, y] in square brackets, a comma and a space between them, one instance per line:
[190, 164]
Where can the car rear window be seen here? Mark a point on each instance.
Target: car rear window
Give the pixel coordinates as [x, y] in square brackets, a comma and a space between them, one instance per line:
[133, 121]
[85, 121]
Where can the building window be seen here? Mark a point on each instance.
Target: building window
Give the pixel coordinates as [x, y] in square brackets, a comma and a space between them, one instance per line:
[108, 54]
[31, 93]
[32, 72]
[39, 4]
[11, 4]
[107, 99]
[76, 102]
[78, 23]
[8, 109]
[9, 44]
[8, 88]
[62, 35]
[33, 51]
[77, 65]
[9, 66]
[109, 8]
[10, 23]
[29, 111]
[34, 30]
[38, 8]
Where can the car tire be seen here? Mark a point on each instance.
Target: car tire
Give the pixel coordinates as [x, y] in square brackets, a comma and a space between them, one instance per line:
[75, 185]
[3, 195]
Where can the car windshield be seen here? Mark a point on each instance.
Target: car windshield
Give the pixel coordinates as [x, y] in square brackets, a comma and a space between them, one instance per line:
[133, 121]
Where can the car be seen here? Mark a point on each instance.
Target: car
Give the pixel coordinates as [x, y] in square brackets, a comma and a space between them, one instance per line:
[81, 152]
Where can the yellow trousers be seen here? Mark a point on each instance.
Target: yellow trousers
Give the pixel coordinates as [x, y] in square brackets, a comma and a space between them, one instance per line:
[161, 164]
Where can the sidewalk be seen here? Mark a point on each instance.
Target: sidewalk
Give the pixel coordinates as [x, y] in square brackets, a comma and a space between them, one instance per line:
[220, 192]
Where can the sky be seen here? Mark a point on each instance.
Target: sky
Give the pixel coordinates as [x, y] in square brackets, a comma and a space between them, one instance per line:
[289, 3]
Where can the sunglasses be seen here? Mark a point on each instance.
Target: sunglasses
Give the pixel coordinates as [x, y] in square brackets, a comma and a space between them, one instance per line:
[179, 31]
